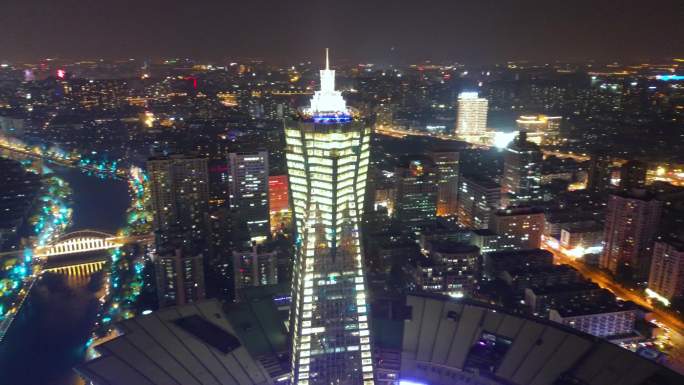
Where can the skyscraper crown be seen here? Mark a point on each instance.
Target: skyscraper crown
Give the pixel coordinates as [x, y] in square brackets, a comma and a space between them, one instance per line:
[327, 103]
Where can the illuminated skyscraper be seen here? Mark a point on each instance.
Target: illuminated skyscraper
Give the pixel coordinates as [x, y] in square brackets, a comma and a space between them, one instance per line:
[472, 115]
[327, 160]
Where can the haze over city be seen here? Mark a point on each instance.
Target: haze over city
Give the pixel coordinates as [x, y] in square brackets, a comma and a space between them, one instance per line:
[359, 31]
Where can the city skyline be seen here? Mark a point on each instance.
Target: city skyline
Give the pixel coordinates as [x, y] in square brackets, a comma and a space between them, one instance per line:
[483, 32]
[454, 192]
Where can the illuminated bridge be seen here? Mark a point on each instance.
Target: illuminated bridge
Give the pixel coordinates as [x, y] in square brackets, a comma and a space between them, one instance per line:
[79, 242]
[84, 241]
[80, 254]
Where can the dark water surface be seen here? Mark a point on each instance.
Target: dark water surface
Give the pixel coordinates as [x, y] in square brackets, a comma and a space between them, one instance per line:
[48, 337]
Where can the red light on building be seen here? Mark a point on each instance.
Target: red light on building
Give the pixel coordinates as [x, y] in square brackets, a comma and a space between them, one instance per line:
[61, 74]
[278, 195]
[279, 203]
[194, 81]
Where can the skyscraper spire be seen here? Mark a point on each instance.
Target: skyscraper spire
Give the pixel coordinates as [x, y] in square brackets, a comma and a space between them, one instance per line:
[327, 101]
[327, 60]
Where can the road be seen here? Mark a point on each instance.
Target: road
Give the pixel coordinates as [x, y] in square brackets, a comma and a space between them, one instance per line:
[662, 317]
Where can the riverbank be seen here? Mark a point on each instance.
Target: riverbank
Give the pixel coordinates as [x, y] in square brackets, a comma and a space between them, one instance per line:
[50, 334]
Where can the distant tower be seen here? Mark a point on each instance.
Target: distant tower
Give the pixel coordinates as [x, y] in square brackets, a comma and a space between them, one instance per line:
[472, 115]
[327, 160]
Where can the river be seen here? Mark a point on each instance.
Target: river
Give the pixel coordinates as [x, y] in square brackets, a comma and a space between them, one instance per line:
[49, 334]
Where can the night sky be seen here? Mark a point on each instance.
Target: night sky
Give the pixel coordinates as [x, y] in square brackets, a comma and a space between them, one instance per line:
[481, 31]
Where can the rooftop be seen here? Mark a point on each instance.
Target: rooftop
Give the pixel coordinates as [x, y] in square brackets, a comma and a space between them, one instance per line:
[596, 306]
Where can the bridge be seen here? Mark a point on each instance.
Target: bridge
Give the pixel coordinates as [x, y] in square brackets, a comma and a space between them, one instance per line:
[81, 241]
[84, 241]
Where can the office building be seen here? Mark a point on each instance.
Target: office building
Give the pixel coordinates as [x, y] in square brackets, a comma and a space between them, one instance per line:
[521, 183]
[248, 191]
[666, 278]
[327, 159]
[471, 121]
[446, 162]
[522, 226]
[478, 197]
[632, 221]
[416, 192]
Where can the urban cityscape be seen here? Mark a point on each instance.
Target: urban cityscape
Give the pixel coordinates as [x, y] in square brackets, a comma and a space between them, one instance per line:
[362, 207]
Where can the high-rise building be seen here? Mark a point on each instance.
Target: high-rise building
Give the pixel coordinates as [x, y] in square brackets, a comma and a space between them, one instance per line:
[279, 203]
[599, 173]
[248, 191]
[446, 161]
[522, 226]
[255, 267]
[666, 279]
[632, 221]
[633, 175]
[472, 115]
[416, 191]
[327, 159]
[179, 187]
[478, 197]
[521, 184]
[179, 265]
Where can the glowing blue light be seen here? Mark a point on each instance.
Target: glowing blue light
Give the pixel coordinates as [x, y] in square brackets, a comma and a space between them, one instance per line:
[407, 382]
[668, 78]
[331, 119]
